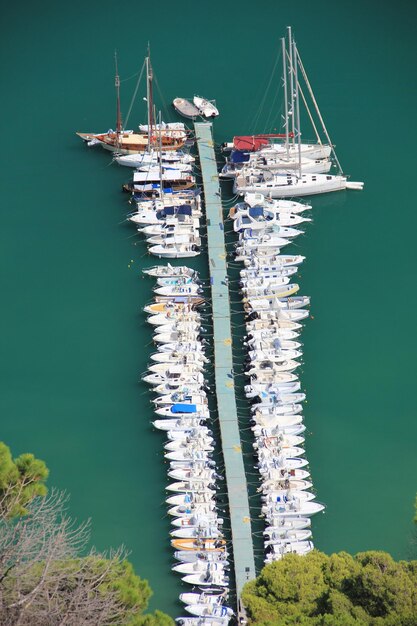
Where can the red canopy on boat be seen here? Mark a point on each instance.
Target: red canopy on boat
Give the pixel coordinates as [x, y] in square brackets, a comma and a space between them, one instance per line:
[252, 143]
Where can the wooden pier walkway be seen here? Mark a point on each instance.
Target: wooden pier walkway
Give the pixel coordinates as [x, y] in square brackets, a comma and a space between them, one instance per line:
[244, 563]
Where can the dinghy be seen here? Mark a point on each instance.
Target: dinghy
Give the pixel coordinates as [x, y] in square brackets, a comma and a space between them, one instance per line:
[186, 108]
[206, 107]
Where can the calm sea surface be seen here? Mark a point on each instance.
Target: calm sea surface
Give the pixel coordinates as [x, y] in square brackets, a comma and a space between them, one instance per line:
[74, 341]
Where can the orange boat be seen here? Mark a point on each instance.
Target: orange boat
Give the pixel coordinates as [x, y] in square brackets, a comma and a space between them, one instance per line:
[210, 545]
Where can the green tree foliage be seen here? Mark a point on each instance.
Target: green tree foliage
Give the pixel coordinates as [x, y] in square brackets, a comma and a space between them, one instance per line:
[368, 589]
[21, 480]
[44, 578]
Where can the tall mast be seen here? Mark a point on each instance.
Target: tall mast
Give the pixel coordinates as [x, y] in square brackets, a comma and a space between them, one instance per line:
[297, 104]
[290, 51]
[117, 85]
[284, 76]
[316, 106]
[161, 184]
[149, 96]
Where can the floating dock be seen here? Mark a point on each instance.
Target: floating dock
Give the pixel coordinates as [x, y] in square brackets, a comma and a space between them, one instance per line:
[244, 562]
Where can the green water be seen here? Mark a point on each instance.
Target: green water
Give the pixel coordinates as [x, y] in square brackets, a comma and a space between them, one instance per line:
[74, 341]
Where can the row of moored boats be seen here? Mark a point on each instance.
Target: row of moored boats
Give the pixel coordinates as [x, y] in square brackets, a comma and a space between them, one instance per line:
[169, 217]
[274, 315]
[177, 378]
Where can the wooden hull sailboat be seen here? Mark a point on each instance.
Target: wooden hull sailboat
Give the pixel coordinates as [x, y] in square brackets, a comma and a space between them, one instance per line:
[129, 142]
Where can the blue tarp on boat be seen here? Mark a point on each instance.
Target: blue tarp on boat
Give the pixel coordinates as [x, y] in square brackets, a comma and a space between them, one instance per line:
[183, 209]
[183, 408]
[256, 211]
[239, 157]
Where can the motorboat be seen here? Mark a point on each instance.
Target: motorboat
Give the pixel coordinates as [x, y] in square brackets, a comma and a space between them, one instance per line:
[206, 107]
[201, 433]
[186, 386]
[290, 206]
[178, 424]
[276, 301]
[169, 270]
[280, 536]
[179, 251]
[276, 341]
[280, 461]
[266, 455]
[183, 290]
[193, 360]
[258, 389]
[199, 532]
[185, 346]
[209, 610]
[215, 597]
[295, 507]
[294, 484]
[195, 521]
[270, 334]
[181, 510]
[217, 545]
[186, 498]
[175, 356]
[270, 368]
[184, 397]
[176, 336]
[275, 262]
[167, 307]
[265, 441]
[181, 233]
[283, 473]
[268, 272]
[268, 233]
[261, 281]
[178, 445]
[207, 620]
[271, 400]
[275, 552]
[200, 556]
[164, 281]
[170, 227]
[188, 454]
[189, 486]
[205, 579]
[198, 566]
[287, 524]
[174, 379]
[279, 315]
[270, 291]
[272, 352]
[259, 377]
[272, 497]
[291, 429]
[271, 410]
[196, 475]
[277, 420]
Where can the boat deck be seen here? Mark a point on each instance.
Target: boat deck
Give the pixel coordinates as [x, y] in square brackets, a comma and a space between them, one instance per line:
[244, 563]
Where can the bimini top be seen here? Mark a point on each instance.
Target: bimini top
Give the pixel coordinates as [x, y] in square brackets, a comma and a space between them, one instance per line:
[183, 209]
[183, 408]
